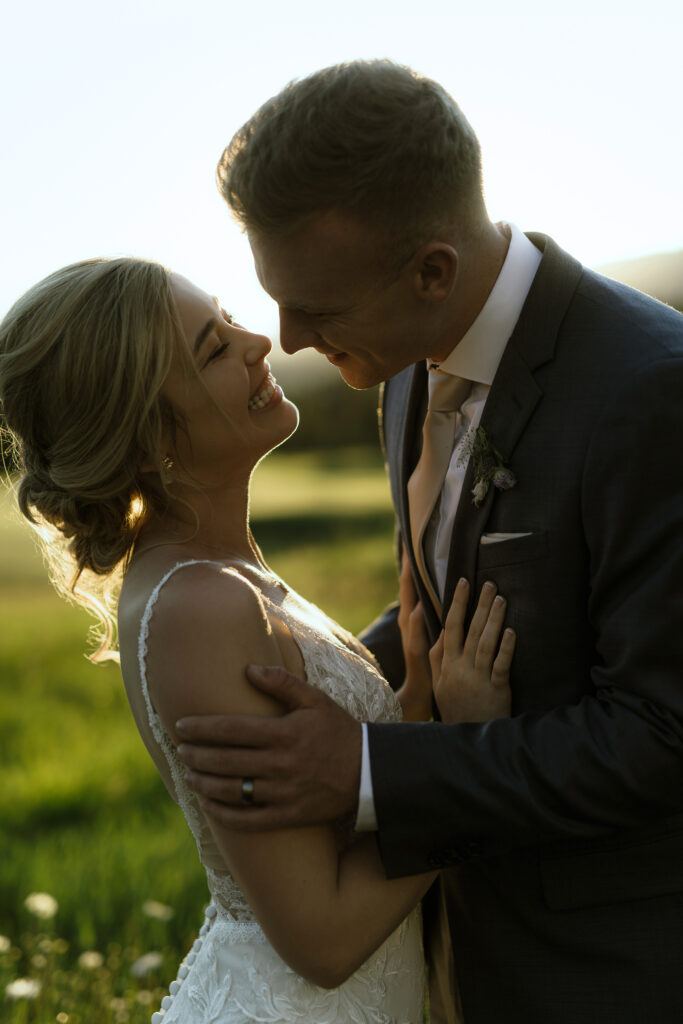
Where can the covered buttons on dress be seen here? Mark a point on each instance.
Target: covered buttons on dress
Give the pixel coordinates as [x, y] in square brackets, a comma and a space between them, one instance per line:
[184, 970]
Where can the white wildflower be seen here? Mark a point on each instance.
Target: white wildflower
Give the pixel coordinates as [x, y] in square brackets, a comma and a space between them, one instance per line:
[159, 911]
[41, 904]
[23, 988]
[5, 944]
[145, 964]
[90, 960]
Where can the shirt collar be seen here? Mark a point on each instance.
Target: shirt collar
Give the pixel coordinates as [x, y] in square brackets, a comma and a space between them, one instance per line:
[477, 355]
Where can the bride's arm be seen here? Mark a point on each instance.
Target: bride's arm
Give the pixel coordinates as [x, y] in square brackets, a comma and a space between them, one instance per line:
[323, 910]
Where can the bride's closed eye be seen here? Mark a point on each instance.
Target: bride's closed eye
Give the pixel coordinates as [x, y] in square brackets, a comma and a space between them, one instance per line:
[223, 347]
[218, 351]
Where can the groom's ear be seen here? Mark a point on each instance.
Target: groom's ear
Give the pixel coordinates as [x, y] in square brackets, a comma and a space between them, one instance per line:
[435, 270]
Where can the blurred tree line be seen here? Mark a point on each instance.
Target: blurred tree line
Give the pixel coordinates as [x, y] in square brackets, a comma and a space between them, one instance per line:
[331, 414]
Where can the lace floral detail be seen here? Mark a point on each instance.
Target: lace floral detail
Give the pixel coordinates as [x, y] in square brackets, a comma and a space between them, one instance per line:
[244, 983]
[232, 975]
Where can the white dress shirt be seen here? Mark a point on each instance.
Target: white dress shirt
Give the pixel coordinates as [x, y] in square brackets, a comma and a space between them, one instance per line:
[476, 357]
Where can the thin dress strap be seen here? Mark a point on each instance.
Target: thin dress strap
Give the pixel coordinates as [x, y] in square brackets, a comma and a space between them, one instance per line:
[158, 731]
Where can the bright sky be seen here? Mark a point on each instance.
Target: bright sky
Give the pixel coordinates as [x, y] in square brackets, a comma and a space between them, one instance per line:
[113, 116]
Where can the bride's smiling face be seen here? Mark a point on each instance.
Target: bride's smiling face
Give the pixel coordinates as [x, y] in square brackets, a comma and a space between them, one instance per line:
[230, 409]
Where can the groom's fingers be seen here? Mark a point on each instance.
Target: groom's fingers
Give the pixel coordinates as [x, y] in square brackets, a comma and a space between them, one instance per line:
[230, 761]
[274, 802]
[258, 818]
[280, 684]
[229, 790]
[230, 730]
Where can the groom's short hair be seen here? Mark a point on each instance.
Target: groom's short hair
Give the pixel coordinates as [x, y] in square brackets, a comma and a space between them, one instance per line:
[369, 138]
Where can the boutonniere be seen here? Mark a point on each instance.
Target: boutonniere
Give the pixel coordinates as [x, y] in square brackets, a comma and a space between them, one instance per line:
[488, 464]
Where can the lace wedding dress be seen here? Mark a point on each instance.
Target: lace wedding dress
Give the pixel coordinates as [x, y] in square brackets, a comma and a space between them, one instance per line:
[232, 975]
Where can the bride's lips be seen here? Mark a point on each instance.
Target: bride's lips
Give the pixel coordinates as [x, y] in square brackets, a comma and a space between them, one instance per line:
[266, 394]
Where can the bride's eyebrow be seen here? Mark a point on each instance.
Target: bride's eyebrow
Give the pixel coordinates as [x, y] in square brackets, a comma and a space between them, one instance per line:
[204, 333]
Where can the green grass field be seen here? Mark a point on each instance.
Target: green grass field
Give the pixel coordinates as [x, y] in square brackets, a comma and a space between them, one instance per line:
[83, 815]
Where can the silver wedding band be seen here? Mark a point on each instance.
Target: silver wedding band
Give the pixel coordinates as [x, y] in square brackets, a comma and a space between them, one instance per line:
[247, 792]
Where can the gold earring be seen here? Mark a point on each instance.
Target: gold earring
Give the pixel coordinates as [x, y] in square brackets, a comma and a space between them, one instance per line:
[166, 469]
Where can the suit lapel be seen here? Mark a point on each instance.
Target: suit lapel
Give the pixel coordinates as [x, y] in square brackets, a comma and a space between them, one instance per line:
[400, 425]
[411, 437]
[514, 395]
[513, 398]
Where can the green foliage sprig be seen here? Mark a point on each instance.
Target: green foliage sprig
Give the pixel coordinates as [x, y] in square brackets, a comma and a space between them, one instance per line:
[490, 467]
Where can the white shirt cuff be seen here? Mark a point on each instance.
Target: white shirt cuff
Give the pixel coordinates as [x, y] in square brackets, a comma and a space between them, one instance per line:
[366, 820]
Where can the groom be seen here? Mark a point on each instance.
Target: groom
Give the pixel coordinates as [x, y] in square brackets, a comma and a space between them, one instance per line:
[560, 829]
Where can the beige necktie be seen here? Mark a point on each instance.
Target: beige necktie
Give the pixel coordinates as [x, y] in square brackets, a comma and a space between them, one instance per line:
[446, 395]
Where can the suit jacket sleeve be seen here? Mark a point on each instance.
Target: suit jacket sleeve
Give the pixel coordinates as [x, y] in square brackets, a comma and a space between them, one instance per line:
[614, 759]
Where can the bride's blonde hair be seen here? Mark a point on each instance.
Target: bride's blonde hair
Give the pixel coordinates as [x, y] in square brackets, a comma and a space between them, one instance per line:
[83, 357]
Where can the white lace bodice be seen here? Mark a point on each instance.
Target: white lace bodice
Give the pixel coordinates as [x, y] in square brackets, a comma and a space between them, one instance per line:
[232, 975]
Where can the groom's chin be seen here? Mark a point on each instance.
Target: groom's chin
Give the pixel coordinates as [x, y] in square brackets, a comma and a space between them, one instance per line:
[360, 378]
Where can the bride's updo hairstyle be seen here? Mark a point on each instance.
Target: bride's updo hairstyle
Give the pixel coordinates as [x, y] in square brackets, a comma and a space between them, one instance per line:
[83, 357]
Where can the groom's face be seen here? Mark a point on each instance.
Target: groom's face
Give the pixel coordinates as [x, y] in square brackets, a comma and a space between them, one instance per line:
[337, 294]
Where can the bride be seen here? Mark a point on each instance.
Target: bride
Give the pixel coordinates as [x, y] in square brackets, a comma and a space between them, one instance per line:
[139, 411]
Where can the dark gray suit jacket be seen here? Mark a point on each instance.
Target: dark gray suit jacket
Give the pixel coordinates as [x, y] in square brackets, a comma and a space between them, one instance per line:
[561, 829]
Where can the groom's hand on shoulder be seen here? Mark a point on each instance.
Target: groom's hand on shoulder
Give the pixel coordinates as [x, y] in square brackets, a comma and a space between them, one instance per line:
[304, 765]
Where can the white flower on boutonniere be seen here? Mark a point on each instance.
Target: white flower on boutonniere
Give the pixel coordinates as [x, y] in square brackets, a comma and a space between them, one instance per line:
[488, 463]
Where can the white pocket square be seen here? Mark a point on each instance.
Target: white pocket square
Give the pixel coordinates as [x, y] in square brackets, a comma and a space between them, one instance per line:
[496, 538]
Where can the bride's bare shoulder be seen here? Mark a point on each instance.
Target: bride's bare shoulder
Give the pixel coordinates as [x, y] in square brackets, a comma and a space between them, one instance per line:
[207, 623]
[189, 589]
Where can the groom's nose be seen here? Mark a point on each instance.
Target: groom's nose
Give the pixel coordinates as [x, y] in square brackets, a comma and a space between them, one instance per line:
[297, 331]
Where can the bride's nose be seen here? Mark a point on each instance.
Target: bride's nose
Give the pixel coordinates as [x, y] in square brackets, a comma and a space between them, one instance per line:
[258, 347]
